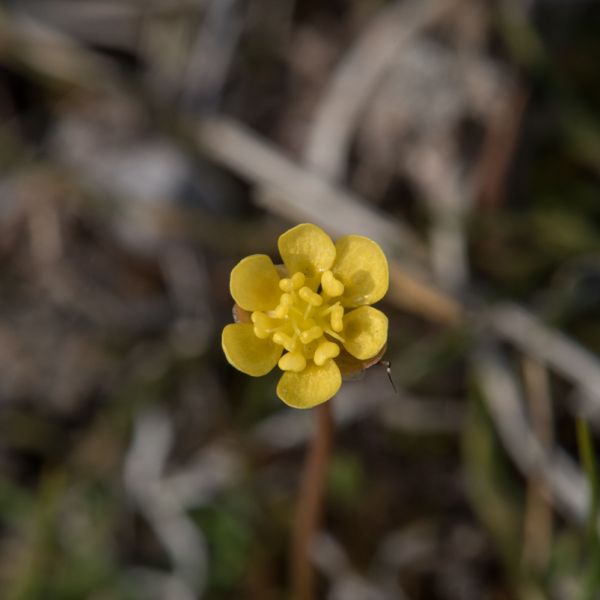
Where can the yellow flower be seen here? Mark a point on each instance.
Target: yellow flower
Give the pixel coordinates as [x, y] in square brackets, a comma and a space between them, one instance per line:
[315, 307]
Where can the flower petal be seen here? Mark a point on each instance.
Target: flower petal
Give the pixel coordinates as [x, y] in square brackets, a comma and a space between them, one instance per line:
[365, 331]
[306, 248]
[314, 385]
[254, 283]
[246, 352]
[362, 267]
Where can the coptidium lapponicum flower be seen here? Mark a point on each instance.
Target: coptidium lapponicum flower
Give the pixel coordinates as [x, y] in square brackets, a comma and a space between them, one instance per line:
[311, 316]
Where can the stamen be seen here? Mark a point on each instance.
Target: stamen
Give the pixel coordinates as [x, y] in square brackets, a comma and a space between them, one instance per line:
[311, 334]
[284, 340]
[331, 286]
[281, 312]
[285, 285]
[261, 333]
[263, 325]
[286, 299]
[258, 317]
[310, 297]
[335, 336]
[302, 318]
[292, 361]
[324, 352]
[282, 309]
[307, 312]
[328, 309]
[337, 318]
[298, 280]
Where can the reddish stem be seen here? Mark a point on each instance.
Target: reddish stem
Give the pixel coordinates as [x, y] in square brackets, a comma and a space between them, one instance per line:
[310, 506]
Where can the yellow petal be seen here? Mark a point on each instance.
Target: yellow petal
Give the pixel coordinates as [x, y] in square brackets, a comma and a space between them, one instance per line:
[306, 248]
[365, 332]
[254, 283]
[246, 352]
[362, 267]
[311, 386]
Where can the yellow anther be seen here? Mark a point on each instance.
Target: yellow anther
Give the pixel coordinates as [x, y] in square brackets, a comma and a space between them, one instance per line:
[310, 297]
[259, 317]
[261, 332]
[324, 352]
[288, 342]
[282, 309]
[337, 318]
[331, 286]
[263, 325]
[298, 280]
[286, 285]
[309, 335]
[292, 361]
[281, 312]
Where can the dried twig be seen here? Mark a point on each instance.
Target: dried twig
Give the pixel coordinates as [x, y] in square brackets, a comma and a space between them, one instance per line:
[565, 483]
[144, 466]
[357, 76]
[56, 56]
[565, 356]
[300, 194]
[538, 513]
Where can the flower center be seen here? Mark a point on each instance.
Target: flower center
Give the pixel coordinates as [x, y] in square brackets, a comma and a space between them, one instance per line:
[306, 323]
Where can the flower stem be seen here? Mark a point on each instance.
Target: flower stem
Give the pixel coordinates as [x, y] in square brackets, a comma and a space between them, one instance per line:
[310, 505]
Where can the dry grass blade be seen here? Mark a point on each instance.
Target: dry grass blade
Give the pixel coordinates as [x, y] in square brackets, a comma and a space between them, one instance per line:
[54, 55]
[299, 195]
[503, 397]
[359, 73]
[565, 356]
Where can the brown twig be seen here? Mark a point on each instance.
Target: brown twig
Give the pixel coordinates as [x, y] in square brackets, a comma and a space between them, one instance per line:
[499, 149]
[538, 511]
[310, 505]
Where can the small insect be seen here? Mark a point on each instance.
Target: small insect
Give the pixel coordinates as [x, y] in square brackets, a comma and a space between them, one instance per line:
[355, 370]
[388, 369]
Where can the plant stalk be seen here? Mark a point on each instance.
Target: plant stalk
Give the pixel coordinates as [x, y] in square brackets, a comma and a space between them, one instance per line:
[309, 509]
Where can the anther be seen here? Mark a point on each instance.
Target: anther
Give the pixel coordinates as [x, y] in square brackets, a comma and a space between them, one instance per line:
[310, 297]
[337, 318]
[262, 324]
[261, 332]
[292, 361]
[286, 285]
[324, 352]
[309, 335]
[298, 280]
[331, 286]
[282, 309]
[288, 342]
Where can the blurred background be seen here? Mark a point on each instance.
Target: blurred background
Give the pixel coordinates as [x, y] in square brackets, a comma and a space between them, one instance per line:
[147, 146]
